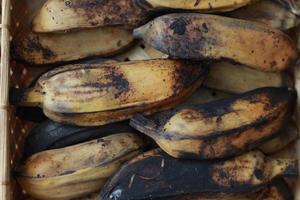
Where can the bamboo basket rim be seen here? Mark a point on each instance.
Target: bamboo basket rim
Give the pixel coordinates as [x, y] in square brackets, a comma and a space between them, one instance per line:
[5, 171]
[4, 87]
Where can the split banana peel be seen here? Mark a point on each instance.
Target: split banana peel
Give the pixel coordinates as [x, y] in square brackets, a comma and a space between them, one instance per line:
[201, 37]
[78, 170]
[165, 176]
[221, 128]
[97, 94]
[55, 48]
[60, 15]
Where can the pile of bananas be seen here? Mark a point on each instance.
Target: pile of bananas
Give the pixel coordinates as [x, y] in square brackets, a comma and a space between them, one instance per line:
[145, 129]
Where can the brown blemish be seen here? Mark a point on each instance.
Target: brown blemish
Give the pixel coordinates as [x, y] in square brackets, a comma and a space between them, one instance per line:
[111, 12]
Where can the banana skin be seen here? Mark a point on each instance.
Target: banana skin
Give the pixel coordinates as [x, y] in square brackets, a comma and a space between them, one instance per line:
[211, 37]
[221, 128]
[165, 176]
[98, 94]
[77, 170]
[56, 15]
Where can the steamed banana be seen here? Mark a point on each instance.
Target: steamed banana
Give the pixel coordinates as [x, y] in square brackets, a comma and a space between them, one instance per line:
[221, 128]
[200, 36]
[52, 135]
[77, 170]
[165, 176]
[268, 12]
[56, 15]
[97, 94]
[234, 78]
[53, 48]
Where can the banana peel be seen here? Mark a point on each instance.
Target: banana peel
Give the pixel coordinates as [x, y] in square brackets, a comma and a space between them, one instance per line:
[53, 48]
[221, 128]
[56, 15]
[97, 94]
[78, 170]
[166, 177]
[52, 135]
[211, 37]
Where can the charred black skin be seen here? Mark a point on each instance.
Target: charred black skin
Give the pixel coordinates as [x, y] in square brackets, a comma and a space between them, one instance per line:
[161, 176]
[53, 135]
[33, 114]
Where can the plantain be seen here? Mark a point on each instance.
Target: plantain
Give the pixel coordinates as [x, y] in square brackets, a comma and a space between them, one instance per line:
[97, 94]
[202, 36]
[54, 48]
[268, 12]
[56, 15]
[52, 135]
[77, 170]
[221, 128]
[165, 176]
[239, 78]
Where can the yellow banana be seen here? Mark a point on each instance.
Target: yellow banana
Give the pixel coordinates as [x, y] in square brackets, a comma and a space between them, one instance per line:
[269, 12]
[56, 15]
[97, 94]
[77, 170]
[165, 176]
[221, 128]
[201, 36]
[53, 48]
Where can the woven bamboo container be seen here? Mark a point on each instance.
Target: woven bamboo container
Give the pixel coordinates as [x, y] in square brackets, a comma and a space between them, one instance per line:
[15, 19]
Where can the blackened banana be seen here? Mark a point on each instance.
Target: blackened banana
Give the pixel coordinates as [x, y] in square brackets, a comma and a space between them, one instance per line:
[200, 36]
[53, 135]
[58, 15]
[97, 94]
[221, 128]
[157, 175]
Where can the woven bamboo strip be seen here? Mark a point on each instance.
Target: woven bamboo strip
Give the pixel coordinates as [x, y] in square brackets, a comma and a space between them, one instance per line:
[4, 86]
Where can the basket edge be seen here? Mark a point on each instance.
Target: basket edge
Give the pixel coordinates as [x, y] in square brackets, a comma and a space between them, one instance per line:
[4, 87]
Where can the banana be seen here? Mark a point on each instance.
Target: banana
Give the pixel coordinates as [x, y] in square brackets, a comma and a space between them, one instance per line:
[269, 12]
[201, 36]
[220, 128]
[52, 135]
[53, 48]
[277, 190]
[56, 15]
[286, 136]
[78, 170]
[165, 176]
[198, 5]
[239, 78]
[97, 94]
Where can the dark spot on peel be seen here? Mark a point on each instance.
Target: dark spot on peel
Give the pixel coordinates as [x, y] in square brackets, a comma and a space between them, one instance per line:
[259, 174]
[179, 26]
